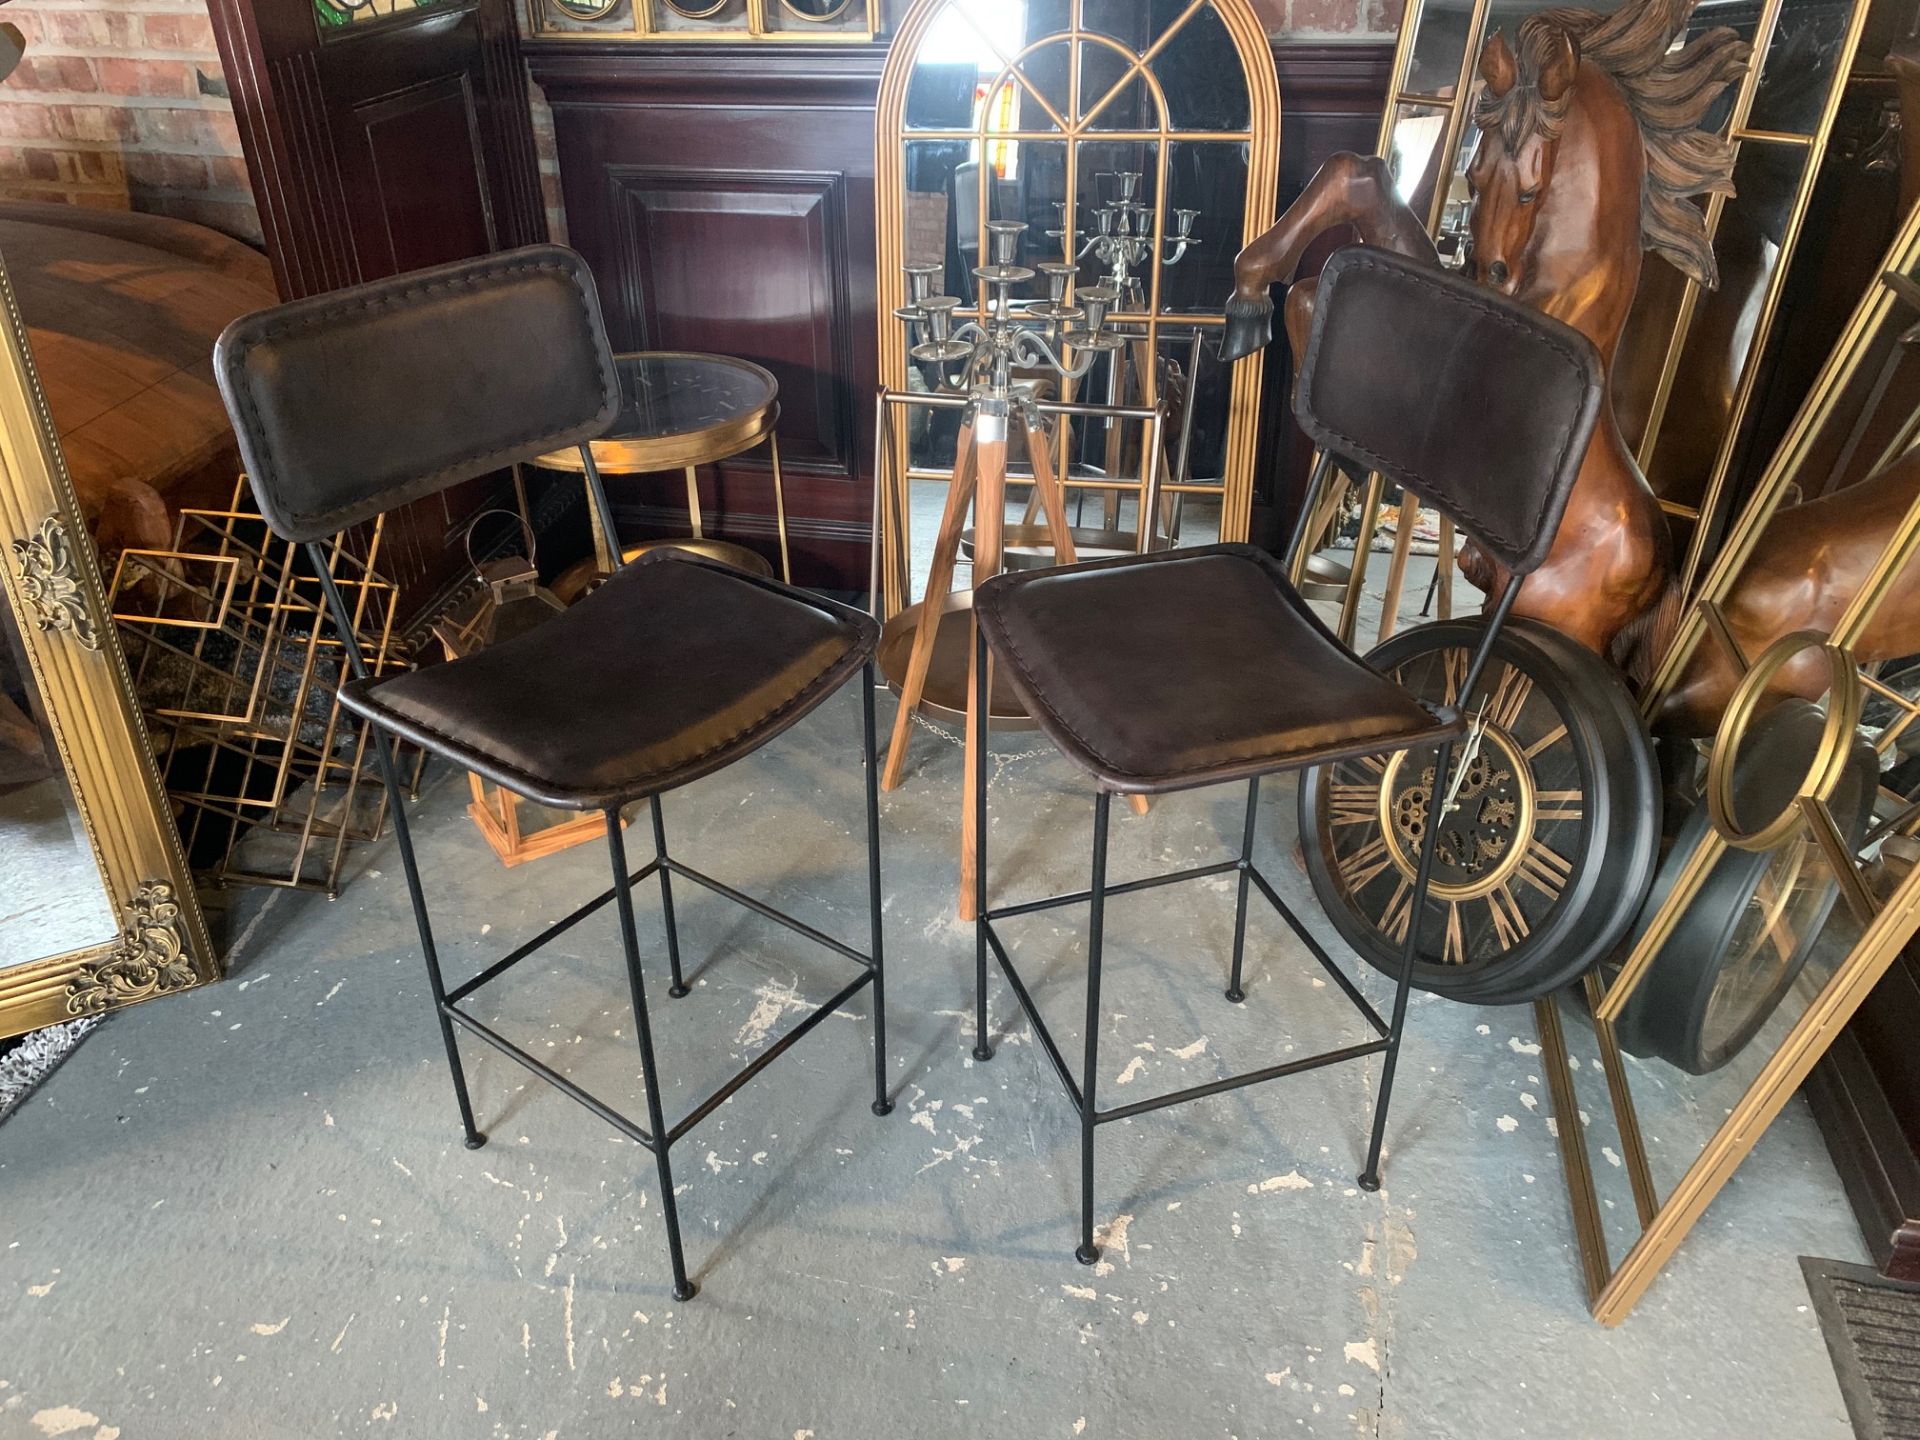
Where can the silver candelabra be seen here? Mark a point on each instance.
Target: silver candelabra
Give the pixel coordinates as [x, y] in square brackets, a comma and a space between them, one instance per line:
[1122, 239]
[979, 357]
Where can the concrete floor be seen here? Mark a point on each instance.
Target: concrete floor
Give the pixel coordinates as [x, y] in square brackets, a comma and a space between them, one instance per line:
[246, 1212]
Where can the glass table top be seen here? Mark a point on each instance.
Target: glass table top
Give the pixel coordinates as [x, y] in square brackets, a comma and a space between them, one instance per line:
[666, 393]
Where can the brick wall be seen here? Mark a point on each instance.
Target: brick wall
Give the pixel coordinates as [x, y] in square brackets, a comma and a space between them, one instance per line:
[1326, 19]
[121, 104]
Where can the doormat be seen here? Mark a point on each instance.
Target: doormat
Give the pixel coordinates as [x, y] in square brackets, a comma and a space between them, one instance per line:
[1872, 1326]
[28, 1059]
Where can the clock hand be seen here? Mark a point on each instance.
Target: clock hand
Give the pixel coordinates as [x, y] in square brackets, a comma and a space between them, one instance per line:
[1469, 752]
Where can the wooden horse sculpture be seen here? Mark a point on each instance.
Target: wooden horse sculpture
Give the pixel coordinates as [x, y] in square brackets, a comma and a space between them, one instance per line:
[1590, 147]
[1809, 564]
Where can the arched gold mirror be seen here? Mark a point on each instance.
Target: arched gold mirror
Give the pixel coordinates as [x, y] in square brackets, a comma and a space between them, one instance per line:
[1138, 140]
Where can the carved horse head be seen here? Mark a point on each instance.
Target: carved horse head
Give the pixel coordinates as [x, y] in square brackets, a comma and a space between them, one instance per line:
[1581, 116]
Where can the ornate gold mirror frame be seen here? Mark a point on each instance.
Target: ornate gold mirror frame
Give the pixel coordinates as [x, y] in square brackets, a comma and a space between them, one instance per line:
[1875, 911]
[158, 940]
[1778, 117]
[1073, 119]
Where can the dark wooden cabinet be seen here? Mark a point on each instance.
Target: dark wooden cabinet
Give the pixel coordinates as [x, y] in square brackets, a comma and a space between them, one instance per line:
[724, 196]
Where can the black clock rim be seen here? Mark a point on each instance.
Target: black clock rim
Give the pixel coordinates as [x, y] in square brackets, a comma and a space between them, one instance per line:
[1615, 869]
[1666, 1013]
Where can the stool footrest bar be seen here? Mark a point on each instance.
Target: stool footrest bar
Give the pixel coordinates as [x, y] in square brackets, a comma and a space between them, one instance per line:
[553, 1077]
[507, 962]
[766, 1057]
[1238, 1082]
[1319, 953]
[1080, 897]
[1033, 1018]
[760, 907]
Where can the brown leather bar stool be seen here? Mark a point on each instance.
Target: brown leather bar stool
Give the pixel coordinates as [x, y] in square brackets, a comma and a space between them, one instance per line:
[351, 403]
[1481, 407]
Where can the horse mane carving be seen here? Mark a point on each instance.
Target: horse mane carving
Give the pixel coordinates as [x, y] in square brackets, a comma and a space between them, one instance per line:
[1667, 91]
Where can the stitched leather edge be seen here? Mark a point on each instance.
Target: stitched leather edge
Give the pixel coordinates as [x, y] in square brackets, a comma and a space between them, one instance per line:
[989, 603]
[386, 295]
[1357, 257]
[359, 698]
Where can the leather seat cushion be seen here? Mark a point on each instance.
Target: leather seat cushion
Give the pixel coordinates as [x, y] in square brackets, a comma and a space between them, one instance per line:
[1187, 668]
[672, 669]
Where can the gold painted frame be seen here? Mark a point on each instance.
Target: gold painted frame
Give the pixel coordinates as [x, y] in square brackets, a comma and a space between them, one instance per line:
[1261, 137]
[1887, 922]
[52, 582]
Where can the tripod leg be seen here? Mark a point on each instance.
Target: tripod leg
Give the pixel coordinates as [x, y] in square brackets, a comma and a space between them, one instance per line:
[1046, 488]
[1397, 566]
[989, 515]
[946, 552]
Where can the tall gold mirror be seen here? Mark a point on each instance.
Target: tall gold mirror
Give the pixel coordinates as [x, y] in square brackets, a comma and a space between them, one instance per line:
[1791, 880]
[1138, 140]
[97, 908]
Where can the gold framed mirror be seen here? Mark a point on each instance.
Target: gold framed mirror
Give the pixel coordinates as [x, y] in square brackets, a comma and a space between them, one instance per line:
[1791, 885]
[99, 909]
[1156, 122]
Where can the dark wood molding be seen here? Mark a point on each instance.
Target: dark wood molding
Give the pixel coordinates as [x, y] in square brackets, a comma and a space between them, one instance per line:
[706, 76]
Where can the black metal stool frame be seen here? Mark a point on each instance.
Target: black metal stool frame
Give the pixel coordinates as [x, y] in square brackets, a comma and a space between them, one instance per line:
[1083, 1093]
[1385, 329]
[657, 1137]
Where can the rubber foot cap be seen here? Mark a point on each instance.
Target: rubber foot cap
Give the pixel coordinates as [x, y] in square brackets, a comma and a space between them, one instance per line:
[1087, 1254]
[678, 992]
[685, 1290]
[476, 1140]
[983, 1052]
[1236, 996]
[883, 1107]
[1370, 1183]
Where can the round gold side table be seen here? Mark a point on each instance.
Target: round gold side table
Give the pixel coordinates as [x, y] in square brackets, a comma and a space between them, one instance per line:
[682, 410]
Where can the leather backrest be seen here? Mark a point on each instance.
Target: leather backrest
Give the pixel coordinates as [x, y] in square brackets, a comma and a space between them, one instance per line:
[1479, 405]
[350, 403]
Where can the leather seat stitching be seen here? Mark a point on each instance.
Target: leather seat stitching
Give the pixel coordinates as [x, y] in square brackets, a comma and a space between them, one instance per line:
[994, 610]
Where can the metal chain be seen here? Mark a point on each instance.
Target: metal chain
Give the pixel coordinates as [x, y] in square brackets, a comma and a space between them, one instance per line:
[999, 761]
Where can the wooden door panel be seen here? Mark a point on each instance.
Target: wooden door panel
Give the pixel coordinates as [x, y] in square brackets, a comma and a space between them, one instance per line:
[779, 299]
[425, 177]
[401, 143]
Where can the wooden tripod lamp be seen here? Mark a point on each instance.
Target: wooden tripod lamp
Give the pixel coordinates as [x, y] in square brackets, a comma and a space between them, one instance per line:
[1062, 334]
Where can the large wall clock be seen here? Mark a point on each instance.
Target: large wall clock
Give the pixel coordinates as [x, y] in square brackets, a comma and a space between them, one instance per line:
[1549, 847]
[1740, 944]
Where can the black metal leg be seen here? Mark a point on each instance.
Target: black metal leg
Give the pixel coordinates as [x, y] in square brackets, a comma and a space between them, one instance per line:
[679, 986]
[982, 1047]
[1088, 1252]
[870, 757]
[1416, 908]
[390, 772]
[403, 836]
[683, 1288]
[1234, 992]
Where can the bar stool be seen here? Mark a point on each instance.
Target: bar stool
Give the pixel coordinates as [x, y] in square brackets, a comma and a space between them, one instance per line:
[351, 403]
[1480, 406]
